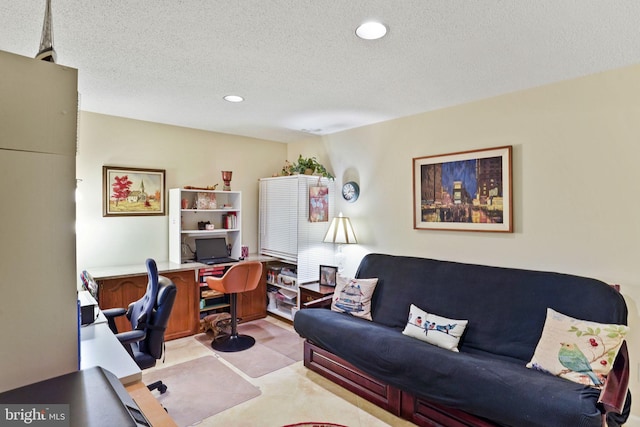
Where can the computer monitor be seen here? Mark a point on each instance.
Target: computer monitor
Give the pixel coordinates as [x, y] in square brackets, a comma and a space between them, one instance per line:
[211, 248]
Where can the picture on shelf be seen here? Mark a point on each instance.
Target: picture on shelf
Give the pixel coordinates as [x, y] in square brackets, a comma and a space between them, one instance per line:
[328, 275]
[206, 201]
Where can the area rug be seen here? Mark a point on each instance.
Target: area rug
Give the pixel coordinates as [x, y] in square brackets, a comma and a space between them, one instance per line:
[275, 348]
[200, 388]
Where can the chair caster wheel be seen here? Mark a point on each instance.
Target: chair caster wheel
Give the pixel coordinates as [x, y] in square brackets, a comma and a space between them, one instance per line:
[162, 389]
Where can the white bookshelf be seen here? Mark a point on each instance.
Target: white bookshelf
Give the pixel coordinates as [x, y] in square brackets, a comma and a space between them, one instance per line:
[183, 220]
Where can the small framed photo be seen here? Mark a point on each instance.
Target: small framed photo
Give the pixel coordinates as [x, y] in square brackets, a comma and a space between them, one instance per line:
[328, 275]
[132, 191]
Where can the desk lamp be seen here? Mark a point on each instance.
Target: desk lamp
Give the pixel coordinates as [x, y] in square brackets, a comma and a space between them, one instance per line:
[340, 232]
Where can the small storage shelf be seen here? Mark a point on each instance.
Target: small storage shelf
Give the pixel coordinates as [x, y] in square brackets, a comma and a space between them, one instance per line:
[287, 314]
[209, 293]
[190, 210]
[281, 307]
[208, 232]
[214, 307]
[282, 289]
[251, 304]
[211, 301]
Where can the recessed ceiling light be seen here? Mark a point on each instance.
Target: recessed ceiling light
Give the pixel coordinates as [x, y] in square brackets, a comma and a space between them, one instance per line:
[371, 30]
[233, 98]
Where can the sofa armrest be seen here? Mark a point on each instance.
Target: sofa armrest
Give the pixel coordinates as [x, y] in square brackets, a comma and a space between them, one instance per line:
[324, 302]
[614, 393]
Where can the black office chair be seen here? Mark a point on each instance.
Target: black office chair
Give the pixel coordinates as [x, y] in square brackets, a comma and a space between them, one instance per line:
[149, 317]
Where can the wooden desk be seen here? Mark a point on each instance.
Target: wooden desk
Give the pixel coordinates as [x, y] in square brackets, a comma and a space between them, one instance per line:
[99, 347]
[93, 396]
[120, 285]
[150, 406]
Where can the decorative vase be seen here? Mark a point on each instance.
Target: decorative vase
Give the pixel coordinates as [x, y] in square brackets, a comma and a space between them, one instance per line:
[226, 177]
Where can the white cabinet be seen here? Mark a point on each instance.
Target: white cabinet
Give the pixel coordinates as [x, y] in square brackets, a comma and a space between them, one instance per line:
[288, 232]
[279, 218]
[190, 211]
[38, 307]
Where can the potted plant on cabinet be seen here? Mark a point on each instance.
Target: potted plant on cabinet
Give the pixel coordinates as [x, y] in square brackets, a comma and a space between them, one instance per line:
[307, 166]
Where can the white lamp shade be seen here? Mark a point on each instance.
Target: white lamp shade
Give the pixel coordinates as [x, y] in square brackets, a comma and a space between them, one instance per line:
[340, 231]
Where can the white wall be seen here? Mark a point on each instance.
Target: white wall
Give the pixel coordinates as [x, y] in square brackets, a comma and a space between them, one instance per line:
[190, 157]
[576, 150]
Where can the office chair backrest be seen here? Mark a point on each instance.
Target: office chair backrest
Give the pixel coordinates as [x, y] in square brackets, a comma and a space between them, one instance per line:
[138, 312]
[242, 277]
[156, 326]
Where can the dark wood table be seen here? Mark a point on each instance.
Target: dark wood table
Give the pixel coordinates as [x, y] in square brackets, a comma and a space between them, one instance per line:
[314, 291]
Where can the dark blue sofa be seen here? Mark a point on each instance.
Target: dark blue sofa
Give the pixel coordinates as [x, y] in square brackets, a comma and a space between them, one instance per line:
[486, 383]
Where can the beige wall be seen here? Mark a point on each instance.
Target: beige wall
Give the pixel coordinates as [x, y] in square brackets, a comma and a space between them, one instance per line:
[576, 150]
[575, 154]
[190, 157]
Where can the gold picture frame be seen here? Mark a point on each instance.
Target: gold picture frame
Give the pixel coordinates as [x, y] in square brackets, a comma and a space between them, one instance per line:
[133, 191]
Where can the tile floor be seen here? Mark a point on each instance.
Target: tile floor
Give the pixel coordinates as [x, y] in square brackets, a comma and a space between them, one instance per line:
[290, 395]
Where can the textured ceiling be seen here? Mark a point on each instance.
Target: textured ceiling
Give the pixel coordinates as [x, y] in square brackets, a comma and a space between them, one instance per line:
[301, 68]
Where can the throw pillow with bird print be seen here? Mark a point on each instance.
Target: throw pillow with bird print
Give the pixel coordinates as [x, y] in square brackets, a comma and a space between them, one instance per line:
[353, 296]
[578, 350]
[436, 330]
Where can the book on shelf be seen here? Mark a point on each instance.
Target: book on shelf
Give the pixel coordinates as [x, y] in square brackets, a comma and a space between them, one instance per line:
[215, 271]
[230, 221]
[210, 293]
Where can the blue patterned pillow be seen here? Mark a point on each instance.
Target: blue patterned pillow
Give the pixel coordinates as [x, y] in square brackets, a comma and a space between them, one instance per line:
[353, 296]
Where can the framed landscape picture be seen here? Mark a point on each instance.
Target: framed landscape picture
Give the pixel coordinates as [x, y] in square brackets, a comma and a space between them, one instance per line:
[465, 191]
[133, 191]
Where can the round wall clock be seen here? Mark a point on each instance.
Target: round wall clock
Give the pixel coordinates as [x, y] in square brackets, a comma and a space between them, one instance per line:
[350, 191]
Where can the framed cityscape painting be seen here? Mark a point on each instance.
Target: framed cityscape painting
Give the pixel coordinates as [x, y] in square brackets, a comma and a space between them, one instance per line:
[465, 191]
[133, 191]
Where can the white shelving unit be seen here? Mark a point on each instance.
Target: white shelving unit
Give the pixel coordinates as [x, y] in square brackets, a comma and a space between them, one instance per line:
[184, 219]
[282, 289]
[287, 233]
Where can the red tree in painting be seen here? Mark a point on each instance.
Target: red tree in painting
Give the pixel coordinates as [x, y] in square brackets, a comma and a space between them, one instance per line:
[121, 187]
